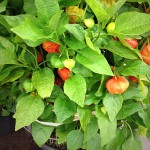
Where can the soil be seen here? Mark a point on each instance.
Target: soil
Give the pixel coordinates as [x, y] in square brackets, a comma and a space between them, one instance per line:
[54, 144]
[20, 140]
[11, 140]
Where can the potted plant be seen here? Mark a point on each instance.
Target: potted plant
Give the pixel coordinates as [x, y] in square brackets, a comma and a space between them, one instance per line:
[77, 71]
[7, 106]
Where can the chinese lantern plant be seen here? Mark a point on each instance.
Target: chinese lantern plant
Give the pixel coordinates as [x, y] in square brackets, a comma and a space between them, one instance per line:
[77, 71]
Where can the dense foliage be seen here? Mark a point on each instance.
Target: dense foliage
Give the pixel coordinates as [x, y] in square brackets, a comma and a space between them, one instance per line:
[77, 70]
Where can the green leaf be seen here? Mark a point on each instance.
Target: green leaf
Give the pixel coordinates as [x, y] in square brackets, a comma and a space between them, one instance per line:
[53, 23]
[5, 93]
[98, 10]
[131, 143]
[4, 23]
[142, 130]
[94, 143]
[69, 3]
[132, 68]
[29, 7]
[132, 93]
[14, 75]
[107, 128]
[41, 133]
[27, 57]
[28, 109]
[145, 115]
[4, 31]
[74, 140]
[90, 44]
[61, 133]
[5, 72]
[46, 9]
[75, 89]
[15, 4]
[77, 31]
[57, 91]
[7, 52]
[121, 135]
[80, 69]
[119, 147]
[73, 43]
[7, 44]
[94, 61]
[137, 0]
[127, 25]
[14, 21]
[47, 111]
[118, 48]
[1, 67]
[85, 116]
[63, 130]
[5, 112]
[64, 108]
[112, 10]
[64, 19]
[43, 81]
[102, 40]
[3, 5]
[91, 98]
[96, 78]
[129, 109]
[101, 88]
[113, 104]
[91, 130]
[30, 32]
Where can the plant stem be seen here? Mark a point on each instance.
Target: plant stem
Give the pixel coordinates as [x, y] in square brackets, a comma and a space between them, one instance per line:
[42, 56]
[129, 128]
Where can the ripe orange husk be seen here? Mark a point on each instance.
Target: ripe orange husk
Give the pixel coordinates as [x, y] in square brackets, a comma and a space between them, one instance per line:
[39, 57]
[132, 42]
[64, 73]
[51, 47]
[117, 85]
[145, 53]
[133, 79]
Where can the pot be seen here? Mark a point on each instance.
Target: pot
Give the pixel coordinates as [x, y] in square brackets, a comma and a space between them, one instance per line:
[7, 124]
